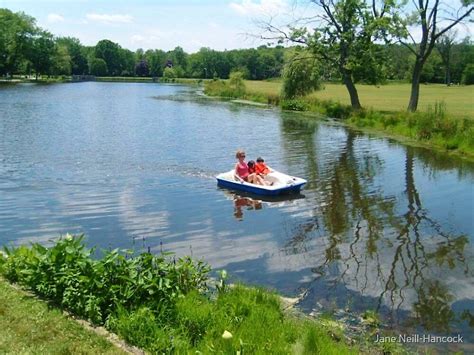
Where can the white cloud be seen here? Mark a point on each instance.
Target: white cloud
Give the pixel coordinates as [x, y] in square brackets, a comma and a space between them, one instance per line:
[109, 19]
[264, 7]
[54, 18]
[150, 37]
[137, 38]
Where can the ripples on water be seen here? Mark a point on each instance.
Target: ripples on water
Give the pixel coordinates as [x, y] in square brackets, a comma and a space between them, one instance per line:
[379, 225]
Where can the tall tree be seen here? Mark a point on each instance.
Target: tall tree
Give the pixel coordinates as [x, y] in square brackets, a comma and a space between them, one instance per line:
[344, 34]
[445, 48]
[42, 53]
[110, 53]
[16, 37]
[142, 68]
[434, 18]
[156, 61]
[76, 53]
[98, 67]
[126, 62]
[61, 60]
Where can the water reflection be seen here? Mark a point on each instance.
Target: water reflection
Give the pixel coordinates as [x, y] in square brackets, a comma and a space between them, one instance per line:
[246, 203]
[397, 259]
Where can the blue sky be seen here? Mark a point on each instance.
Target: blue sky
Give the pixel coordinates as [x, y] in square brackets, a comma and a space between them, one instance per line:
[165, 24]
[162, 24]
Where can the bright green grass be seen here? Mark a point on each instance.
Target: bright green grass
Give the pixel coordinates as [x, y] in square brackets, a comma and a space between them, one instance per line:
[29, 326]
[252, 316]
[459, 100]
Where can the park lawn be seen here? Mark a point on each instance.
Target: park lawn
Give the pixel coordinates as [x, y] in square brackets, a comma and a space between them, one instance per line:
[459, 100]
[29, 326]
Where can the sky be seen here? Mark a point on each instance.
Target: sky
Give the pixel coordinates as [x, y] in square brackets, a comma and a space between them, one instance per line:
[155, 24]
[163, 24]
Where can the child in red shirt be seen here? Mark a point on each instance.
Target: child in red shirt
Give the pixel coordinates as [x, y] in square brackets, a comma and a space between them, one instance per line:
[251, 166]
[260, 167]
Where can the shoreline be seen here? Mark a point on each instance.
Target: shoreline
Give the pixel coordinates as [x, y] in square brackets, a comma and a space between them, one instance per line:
[256, 309]
[353, 120]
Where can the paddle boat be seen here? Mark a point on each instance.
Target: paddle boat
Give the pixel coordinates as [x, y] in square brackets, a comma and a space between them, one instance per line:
[280, 184]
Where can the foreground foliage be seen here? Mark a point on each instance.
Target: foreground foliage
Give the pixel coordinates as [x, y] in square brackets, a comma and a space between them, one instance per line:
[94, 289]
[161, 304]
[251, 320]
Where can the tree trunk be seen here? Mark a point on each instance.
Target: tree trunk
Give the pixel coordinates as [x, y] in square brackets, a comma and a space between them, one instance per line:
[448, 74]
[415, 86]
[355, 102]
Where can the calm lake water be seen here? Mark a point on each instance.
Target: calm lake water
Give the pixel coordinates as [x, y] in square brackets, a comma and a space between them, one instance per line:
[379, 226]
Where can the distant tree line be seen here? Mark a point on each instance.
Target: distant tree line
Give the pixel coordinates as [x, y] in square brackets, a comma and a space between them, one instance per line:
[26, 49]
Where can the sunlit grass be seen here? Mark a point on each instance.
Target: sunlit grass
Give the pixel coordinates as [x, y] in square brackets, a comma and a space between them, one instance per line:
[29, 326]
[458, 100]
[245, 320]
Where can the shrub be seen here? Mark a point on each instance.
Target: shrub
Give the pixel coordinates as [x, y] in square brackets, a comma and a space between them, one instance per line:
[294, 105]
[389, 120]
[336, 109]
[236, 83]
[234, 88]
[169, 73]
[94, 289]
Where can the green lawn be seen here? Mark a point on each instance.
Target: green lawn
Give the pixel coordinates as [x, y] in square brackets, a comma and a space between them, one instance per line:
[29, 326]
[459, 100]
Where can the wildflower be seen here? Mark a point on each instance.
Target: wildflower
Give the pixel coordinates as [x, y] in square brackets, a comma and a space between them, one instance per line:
[227, 335]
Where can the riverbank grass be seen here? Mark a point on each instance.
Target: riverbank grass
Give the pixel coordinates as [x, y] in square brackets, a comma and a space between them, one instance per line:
[445, 120]
[164, 305]
[245, 320]
[30, 326]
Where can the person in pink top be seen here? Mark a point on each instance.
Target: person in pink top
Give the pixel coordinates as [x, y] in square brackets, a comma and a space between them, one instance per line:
[242, 170]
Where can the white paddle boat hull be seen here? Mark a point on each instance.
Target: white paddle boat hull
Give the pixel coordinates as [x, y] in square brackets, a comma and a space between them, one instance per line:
[282, 184]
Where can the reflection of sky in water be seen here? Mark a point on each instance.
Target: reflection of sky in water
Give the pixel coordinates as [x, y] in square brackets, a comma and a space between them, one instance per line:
[376, 222]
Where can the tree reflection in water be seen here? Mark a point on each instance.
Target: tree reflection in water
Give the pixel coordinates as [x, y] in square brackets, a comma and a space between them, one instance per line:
[401, 260]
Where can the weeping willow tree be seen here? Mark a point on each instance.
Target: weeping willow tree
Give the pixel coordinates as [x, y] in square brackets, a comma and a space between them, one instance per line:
[301, 74]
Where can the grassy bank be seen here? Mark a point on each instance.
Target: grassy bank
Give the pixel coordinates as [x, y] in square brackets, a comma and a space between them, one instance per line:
[29, 326]
[445, 120]
[161, 304]
[458, 100]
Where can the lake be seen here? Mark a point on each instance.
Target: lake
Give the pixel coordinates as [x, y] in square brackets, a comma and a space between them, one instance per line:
[379, 226]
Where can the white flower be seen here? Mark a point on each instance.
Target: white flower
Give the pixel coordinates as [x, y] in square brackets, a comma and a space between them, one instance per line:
[227, 335]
